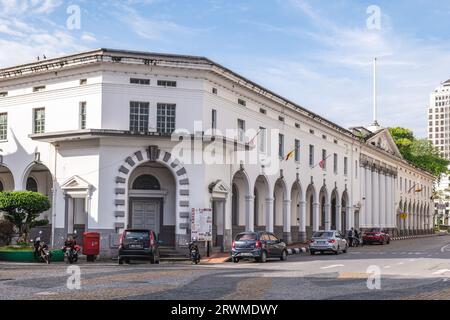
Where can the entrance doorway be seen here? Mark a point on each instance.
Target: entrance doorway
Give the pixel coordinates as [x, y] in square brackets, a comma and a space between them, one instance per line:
[146, 215]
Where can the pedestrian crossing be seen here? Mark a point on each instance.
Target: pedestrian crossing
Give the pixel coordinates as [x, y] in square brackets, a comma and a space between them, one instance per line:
[398, 253]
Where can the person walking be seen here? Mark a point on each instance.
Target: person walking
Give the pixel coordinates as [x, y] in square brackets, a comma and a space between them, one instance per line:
[350, 237]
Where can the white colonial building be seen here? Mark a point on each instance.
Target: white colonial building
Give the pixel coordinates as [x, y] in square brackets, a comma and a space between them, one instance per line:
[123, 139]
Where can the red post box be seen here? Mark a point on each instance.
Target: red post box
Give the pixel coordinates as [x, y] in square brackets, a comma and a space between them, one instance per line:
[91, 245]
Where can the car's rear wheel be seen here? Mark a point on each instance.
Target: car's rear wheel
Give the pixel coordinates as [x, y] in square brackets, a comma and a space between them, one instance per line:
[284, 256]
[263, 257]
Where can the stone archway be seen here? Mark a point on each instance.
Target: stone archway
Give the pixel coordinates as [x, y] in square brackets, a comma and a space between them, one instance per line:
[182, 192]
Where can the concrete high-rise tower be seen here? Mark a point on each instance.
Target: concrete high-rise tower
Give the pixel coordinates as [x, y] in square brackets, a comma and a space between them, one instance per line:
[439, 119]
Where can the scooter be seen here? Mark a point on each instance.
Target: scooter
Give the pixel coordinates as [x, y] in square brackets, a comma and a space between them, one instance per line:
[194, 253]
[41, 251]
[71, 251]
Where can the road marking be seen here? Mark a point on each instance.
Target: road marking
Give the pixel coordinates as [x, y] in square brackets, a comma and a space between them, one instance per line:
[387, 267]
[442, 271]
[333, 266]
[45, 293]
[400, 263]
[444, 248]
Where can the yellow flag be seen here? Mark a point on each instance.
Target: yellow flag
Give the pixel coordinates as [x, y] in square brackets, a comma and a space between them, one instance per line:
[289, 155]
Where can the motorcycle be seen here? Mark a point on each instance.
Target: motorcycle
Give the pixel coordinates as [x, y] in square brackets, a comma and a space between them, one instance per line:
[71, 251]
[194, 253]
[41, 251]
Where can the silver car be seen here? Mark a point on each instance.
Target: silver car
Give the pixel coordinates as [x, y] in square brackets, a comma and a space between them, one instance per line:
[328, 241]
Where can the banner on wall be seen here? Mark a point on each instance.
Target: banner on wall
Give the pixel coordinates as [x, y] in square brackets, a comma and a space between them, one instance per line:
[201, 224]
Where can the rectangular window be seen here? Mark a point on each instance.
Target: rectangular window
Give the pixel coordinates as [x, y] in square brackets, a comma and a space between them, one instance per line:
[38, 88]
[82, 115]
[345, 166]
[311, 155]
[262, 139]
[3, 126]
[401, 183]
[242, 102]
[213, 119]
[140, 81]
[281, 119]
[166, 120]
[263, 111]
[356, 169]
[281, 145]
[214, 90]
[241, 130]
[167, 83]
[139, 112]
[335, 163]
[324, 159]
[83, 82]
[297, 125]
[39, 120]
[297, 150]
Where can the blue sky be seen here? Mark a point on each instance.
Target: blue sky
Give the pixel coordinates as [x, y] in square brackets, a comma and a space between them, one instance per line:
[317, 53]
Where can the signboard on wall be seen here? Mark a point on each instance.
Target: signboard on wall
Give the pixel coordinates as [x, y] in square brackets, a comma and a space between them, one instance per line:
[201, 224]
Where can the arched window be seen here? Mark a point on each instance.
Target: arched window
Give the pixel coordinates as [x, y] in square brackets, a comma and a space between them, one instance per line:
[1, 187]
[146, 182]
[32, 185]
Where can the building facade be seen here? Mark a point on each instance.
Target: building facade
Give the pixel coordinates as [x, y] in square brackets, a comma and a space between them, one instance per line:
[122, 139]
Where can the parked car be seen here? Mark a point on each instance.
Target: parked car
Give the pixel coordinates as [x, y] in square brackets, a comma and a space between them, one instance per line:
[138, 244]
[258, 246]
[328, 241]
[376, 235]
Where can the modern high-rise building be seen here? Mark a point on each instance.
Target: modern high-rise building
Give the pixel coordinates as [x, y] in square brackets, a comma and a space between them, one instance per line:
[439, 118]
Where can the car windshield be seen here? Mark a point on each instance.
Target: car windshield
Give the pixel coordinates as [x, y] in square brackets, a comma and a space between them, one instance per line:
[137, 235]
[374, 230]
[246, 237]
[323, 235]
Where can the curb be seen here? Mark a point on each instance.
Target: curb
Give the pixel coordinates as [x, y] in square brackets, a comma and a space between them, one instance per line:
[292, 251]
[415, 237]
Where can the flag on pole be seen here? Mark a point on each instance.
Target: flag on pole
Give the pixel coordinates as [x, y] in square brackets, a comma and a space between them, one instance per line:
[289, 155]
[252, 141]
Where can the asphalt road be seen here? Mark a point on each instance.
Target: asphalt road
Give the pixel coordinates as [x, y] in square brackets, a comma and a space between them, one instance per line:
[407, 269]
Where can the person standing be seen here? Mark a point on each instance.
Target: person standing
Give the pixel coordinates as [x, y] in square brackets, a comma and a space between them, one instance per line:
[350, 237]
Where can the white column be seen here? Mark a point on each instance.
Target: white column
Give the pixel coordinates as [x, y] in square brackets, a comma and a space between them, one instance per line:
[269, 215]
[368, 195]
[338, 218]
[362, 194]
[388, 192]
[302, 224]
[375, 199]
[316, 216]
[287, 221]
[393, 201]
[382, 193]
[350, 218]
[327, 209]
[250, 213]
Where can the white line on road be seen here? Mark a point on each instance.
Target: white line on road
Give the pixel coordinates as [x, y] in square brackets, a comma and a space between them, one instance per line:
[333, 266]
[442, 271]
[444, 248]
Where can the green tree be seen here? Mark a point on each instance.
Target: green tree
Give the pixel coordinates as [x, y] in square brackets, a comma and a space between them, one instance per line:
[420, 152]
[22, 209]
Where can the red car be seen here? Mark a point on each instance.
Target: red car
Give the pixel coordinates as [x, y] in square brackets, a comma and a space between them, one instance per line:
[377, 235]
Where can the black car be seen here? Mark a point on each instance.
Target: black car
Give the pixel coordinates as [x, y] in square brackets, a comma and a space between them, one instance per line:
[258, 246]
[138, 244]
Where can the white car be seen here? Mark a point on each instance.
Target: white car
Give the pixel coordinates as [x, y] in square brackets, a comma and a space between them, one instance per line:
[328, 241]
